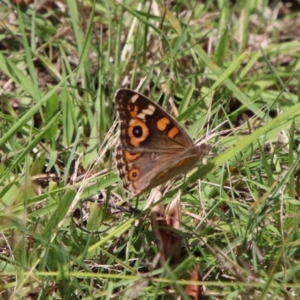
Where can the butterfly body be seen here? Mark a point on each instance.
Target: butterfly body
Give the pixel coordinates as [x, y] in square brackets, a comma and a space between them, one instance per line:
[153, 147]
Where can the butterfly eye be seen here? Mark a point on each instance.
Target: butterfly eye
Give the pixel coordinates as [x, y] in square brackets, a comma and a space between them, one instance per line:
[133, 174]
[137, 131]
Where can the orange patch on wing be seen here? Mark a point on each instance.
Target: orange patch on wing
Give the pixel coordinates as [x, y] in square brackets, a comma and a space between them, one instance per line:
[136, 140]
[136, 187]
[133, 110]
[180, 163]
[162, 173]
[134, 174]
[131, 157]
[173, 132]
[162, 123]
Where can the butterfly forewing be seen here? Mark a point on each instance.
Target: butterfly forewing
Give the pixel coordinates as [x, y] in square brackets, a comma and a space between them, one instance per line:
[143, 120]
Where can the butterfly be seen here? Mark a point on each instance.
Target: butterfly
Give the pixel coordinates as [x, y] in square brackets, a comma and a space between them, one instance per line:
[153, 147]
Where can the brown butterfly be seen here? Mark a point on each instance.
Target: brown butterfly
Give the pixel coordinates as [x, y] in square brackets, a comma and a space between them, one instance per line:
[153, 147]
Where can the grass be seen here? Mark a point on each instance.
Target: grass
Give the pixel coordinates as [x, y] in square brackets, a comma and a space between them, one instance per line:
[231, 71]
